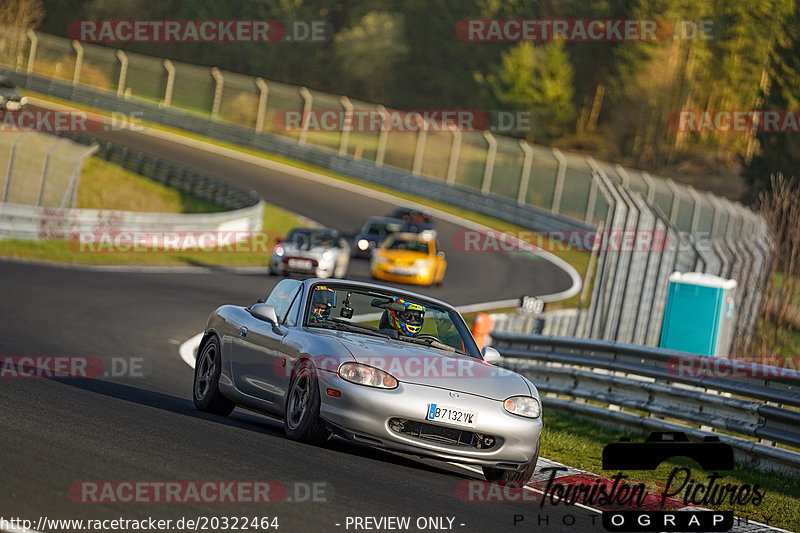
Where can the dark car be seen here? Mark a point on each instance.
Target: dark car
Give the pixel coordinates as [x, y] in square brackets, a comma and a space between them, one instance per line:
[416, 220]
[373, 232]
[10, 99]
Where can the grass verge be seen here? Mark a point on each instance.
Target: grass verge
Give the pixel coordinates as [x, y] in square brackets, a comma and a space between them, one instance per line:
[579, 442]
[104, 185]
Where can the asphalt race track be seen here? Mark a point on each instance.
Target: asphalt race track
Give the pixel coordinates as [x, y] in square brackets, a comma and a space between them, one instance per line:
[136, 421]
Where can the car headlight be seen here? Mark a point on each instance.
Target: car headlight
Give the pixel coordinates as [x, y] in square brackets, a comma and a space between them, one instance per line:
[327, 255]
[526, 406]
[278, 251]
[361, 374]
[363, 244]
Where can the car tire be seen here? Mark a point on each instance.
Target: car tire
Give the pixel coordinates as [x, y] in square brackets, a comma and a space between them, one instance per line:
[301, 415]
[207, 369]
[499, 474]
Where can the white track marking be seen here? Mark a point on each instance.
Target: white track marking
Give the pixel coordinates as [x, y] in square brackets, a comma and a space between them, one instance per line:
[189, 348]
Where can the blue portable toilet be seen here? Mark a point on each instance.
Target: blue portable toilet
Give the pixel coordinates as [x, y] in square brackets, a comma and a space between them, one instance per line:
[699, 314]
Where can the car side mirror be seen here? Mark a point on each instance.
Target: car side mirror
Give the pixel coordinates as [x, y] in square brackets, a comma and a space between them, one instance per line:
[440, 254]
[265, 312]
[491, 355]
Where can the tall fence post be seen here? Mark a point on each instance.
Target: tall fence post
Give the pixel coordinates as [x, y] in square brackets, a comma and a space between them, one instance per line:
[455, 152]
[308, 101]
[488, 169]
[559, 189]
[695, 211]
[347, 124]
[72, 189]
[382, 136]
[263, 90]
[525, 177]
[76, 76]
[123, 72]
[10, 169]
[419, 150]
[219, 81]
[170, 68]
[32, 53]
[46, 166]
[651, 187]
[676, 200]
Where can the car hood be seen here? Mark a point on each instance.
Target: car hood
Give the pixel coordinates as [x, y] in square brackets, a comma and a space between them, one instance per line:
[314, 251]
[413, 363]
[403, 256]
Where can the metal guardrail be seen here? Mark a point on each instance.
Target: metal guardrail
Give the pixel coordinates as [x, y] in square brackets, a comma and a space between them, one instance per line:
[695, 394]
[43, 223]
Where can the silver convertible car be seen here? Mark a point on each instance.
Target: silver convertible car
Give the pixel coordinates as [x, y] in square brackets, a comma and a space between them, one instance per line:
[377, 365]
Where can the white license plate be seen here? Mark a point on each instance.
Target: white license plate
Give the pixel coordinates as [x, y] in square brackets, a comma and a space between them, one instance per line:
[451, 415]
[300, 264]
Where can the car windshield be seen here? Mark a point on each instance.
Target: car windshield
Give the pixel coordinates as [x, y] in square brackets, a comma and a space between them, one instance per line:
[412, 245]
[381, 228]
[368, 312]
[309, 239]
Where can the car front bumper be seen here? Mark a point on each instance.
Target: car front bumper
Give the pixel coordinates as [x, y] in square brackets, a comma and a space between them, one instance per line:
[419, 276]
[363, 414]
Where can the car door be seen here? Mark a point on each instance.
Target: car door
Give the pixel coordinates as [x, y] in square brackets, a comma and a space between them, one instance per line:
[257, 348]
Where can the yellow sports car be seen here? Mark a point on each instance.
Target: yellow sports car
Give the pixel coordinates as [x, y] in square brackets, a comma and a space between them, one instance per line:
[409, 258]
